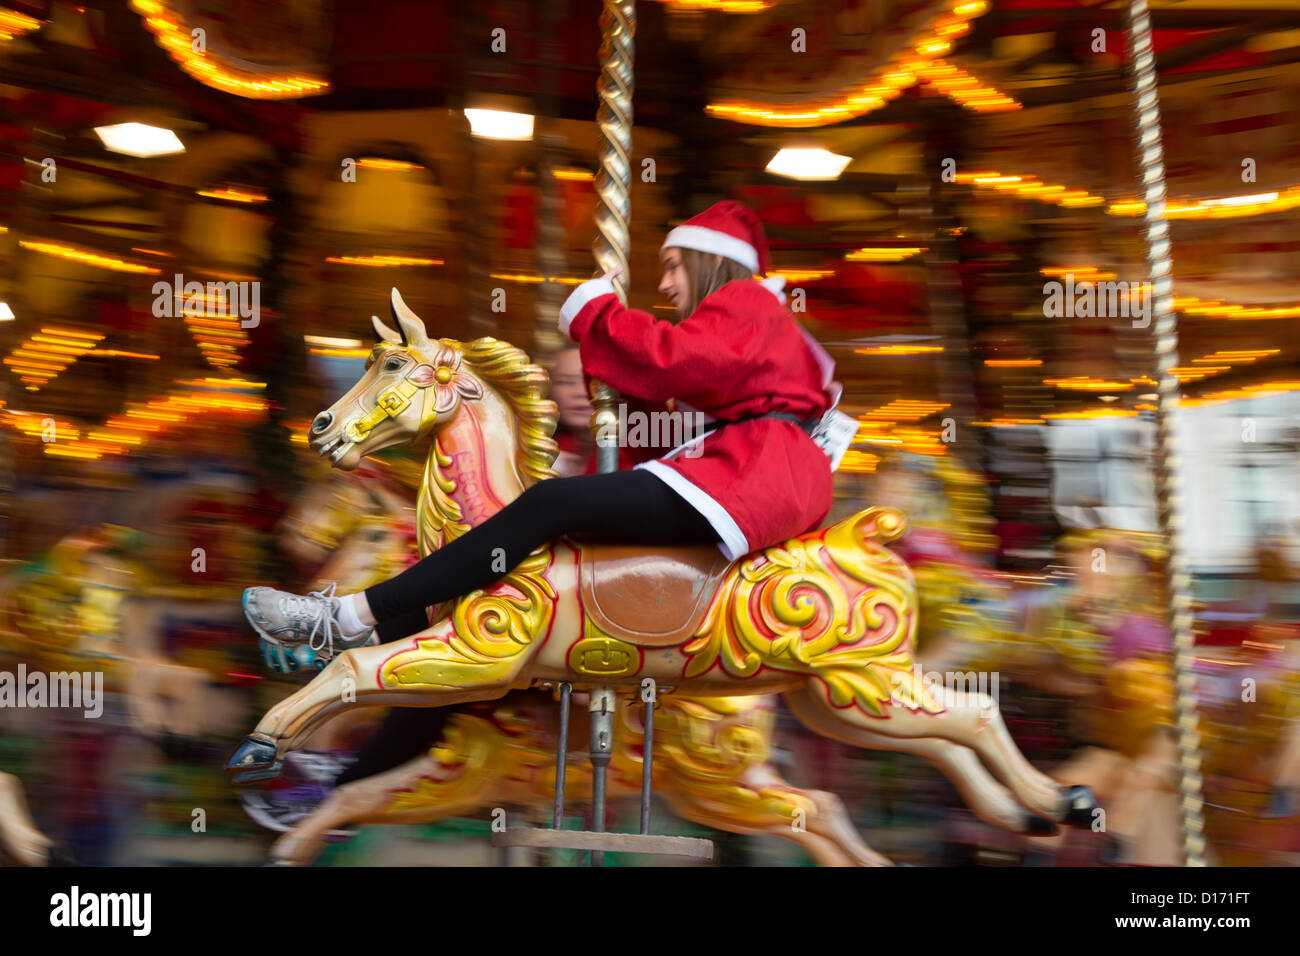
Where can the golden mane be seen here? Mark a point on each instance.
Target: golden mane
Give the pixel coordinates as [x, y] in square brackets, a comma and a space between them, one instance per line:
[523, 385]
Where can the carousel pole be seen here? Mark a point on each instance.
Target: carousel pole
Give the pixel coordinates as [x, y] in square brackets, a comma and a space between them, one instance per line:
[613, 190]
[1169, 500]
[613, 213]
[613, 185]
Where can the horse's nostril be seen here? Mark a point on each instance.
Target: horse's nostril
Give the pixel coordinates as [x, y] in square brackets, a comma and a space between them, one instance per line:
[322, 422]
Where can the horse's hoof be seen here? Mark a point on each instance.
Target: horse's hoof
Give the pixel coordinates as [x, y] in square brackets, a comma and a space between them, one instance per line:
[255, 753]
[1039, 826]
[1080, 807]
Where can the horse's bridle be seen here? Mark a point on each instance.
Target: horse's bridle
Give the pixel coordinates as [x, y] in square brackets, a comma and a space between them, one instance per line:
[393, 401]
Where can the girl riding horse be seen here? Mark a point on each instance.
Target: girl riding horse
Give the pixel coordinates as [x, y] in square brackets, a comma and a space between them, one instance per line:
[752, 478]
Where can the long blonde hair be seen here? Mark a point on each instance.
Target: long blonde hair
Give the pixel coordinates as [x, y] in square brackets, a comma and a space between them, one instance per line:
[706, 277]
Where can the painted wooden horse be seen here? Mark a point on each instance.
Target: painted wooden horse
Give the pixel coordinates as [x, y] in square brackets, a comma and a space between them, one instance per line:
[712, 755]
[828, 617]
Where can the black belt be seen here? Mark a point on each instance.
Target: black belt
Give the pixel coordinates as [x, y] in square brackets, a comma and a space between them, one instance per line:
[807, 424]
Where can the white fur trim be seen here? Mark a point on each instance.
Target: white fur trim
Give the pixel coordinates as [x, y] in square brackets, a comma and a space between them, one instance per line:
[579, 297]
[710, 240]
[774, 285]
[733, 544]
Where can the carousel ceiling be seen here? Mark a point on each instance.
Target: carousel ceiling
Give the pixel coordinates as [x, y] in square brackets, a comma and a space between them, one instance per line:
[930, 288]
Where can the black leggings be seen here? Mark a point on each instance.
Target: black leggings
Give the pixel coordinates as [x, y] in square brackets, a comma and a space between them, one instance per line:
[632, 506]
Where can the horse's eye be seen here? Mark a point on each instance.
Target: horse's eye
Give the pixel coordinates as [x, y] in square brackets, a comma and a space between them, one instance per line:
[393, 364]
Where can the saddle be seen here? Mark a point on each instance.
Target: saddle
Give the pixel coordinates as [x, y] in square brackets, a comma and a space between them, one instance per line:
[647, 596]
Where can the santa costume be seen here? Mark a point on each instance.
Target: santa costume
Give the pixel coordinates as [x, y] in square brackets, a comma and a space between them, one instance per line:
[757, 475]
[741, 353]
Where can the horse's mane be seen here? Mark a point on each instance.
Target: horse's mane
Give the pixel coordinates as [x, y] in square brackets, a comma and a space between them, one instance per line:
[523, 385]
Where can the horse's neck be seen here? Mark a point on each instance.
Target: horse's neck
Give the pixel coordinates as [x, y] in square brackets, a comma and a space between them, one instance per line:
[475, 454]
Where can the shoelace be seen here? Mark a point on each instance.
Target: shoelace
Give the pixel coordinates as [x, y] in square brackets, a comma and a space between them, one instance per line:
[318, 604]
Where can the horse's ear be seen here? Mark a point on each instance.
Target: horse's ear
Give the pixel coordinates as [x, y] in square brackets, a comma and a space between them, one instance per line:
[385, 333]
[410, 324]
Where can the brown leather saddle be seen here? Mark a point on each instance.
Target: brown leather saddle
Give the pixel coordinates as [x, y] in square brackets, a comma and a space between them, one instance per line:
[646, 595]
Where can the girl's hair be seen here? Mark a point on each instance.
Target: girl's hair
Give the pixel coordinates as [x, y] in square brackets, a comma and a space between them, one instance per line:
[706, 278]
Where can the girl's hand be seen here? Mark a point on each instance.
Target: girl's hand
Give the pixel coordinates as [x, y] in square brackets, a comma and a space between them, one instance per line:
[616, 271]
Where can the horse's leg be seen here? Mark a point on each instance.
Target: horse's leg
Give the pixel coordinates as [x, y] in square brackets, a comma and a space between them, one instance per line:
[973, 721]
[742, 793]
[989, 800]
[18, 832]
[471, 780]
[366, 801]
[760, 802]
[356, 678]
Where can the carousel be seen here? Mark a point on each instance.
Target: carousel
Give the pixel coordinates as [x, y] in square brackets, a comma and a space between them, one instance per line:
[280, 305]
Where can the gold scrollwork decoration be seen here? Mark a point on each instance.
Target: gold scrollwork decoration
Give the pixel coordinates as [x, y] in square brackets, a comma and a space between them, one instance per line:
[835, 604]
[492, 630]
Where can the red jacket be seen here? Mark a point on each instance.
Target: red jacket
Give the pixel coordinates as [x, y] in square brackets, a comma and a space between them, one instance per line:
[740, 353]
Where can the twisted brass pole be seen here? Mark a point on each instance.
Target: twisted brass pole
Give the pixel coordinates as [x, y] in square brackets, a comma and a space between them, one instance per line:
[1169, 500]
[613, 191]
[614, 117]
[613, 211]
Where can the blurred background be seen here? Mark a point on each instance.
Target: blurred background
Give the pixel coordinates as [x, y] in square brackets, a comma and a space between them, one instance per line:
[924, 171]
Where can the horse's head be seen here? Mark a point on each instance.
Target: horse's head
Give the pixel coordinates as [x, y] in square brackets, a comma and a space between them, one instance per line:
[411, 386]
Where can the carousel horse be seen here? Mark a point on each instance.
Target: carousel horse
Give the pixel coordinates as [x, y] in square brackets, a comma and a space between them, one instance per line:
[77, 609]
[1115, 639]
[86, 603]
[712, 755]
[828, 617]
[712, 766]
[1095, 635]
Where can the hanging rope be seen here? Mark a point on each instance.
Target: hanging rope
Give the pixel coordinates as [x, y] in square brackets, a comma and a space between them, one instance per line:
[1169, 501]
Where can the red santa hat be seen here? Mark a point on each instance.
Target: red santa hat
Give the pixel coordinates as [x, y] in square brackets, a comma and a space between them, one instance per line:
[729, 229]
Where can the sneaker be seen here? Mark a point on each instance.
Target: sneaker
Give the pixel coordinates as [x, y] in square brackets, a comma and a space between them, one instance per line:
[282, 619]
